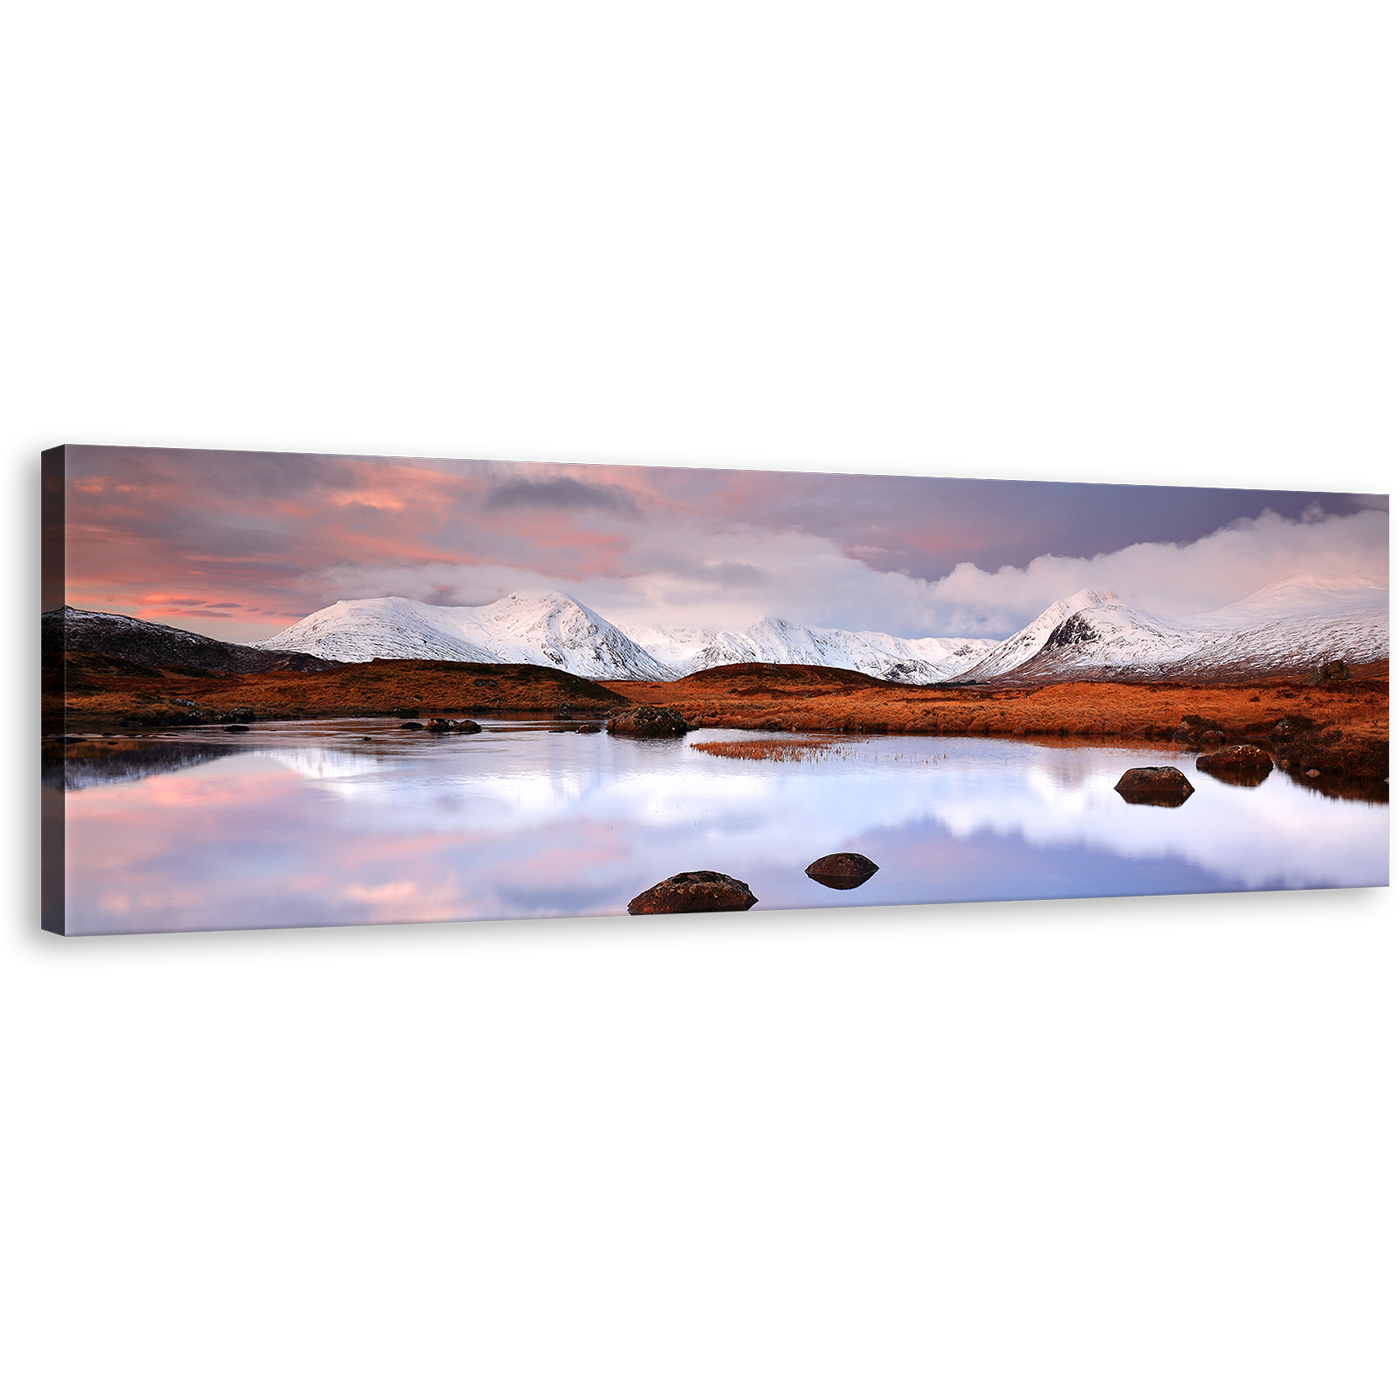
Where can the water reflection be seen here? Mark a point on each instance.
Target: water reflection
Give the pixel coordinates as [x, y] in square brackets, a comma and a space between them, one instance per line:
[1239, 777]
[97, 760]
[307, 824]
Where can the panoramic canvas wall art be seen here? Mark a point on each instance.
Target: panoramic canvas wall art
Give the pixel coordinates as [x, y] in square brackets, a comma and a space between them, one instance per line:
[287, 690]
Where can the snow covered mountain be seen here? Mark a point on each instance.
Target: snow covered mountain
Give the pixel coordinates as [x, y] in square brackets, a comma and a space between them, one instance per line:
[675, 647]
[920, 661]
[1295, 623]
[544, 629]
[1023, 645]
[552, 629]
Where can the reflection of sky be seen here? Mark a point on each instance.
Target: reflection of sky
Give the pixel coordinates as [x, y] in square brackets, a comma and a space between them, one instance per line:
[300, 826]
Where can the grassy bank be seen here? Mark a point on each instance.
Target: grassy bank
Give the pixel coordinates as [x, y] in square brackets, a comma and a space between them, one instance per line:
[1341, 727]
[97, 691]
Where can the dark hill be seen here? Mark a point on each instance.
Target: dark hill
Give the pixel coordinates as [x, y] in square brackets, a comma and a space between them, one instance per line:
[794, 673]
[154, 644]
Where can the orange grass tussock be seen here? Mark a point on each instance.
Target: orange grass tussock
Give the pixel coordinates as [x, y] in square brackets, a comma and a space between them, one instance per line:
[782, 750]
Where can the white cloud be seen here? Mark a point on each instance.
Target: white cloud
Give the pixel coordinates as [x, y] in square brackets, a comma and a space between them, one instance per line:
[674, 575]
[1180, 579]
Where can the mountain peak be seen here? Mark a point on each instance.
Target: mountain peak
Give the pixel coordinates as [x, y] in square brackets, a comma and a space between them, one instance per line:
[1092, 598]
[540, 629]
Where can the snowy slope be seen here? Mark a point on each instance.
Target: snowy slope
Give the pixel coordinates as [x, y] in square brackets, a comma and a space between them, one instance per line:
[1023, 645]
[914, 661]
[1294, 623]
[361, 629]
[551, 629]
[543, 629]
[676, 647]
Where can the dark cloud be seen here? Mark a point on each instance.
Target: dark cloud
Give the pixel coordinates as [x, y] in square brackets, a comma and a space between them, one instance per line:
[926, 526]
[255, 476]
[561, 493]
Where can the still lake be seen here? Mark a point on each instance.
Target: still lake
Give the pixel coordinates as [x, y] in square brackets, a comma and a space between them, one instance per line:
[304, 824]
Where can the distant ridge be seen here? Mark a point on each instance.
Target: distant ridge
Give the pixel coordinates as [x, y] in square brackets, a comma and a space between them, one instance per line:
[155, 644]
[921, 661]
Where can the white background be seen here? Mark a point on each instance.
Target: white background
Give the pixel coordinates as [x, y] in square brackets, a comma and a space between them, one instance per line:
[882, 227]
[1155, 1169]
[1159, 1169]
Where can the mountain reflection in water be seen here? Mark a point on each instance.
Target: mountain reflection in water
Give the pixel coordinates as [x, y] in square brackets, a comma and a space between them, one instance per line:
[352, 822]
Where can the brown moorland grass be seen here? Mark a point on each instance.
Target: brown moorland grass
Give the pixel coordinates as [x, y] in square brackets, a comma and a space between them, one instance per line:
[93, 691]
[1341, 727]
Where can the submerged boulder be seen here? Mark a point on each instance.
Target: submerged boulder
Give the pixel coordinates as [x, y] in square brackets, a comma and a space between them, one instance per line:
[648, 722]
[1154, 787]
[842, 871]
[694, 892]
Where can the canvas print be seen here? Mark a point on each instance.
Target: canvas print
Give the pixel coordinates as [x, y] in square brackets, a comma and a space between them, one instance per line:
[288, 690]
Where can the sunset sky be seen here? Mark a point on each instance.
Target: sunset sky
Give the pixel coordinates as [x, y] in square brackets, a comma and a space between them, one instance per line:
[238, 545]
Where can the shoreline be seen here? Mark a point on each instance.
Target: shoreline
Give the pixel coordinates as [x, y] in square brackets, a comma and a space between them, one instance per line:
[1340, 727]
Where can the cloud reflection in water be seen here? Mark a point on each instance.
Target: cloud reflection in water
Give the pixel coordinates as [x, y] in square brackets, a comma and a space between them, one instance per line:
[297, 827]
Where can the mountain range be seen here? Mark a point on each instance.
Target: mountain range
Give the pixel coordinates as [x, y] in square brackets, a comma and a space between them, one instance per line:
[1295, 623]
[921, 661]
[552, 629]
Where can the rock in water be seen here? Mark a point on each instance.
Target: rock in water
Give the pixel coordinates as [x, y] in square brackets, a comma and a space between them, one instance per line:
[694, 892]
[1235, 758]
[649, 722]
[843, 871]
[1154, 787]
[467, 726]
